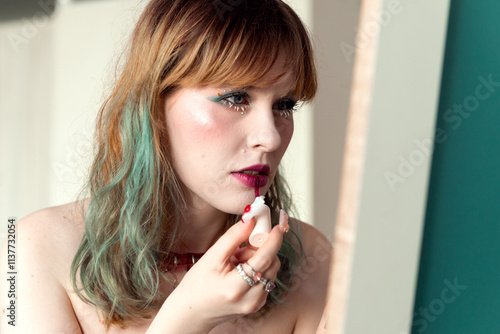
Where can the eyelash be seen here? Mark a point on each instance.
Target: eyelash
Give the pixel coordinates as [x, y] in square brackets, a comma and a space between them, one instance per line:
[290, 108]
[224, 100]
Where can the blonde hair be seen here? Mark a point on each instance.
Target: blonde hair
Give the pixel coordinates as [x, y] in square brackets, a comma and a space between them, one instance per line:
[136, 203]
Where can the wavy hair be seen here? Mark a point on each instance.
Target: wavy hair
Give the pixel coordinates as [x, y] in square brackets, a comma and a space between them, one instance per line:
[135, 200]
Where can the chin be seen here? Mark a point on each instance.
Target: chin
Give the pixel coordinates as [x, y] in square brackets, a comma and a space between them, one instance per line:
[235, 205]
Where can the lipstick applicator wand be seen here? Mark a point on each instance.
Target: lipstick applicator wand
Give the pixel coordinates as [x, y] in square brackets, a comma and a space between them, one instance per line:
[257, 181]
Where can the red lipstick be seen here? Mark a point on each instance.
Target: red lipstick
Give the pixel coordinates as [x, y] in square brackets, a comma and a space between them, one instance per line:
[264, 169]
[253, 176]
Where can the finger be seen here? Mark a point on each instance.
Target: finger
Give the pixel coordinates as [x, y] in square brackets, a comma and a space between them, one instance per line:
[270, 272]
[262, 278]
[283, 226]
[265, 255]
[275, 267]
[243, 254]
[249, 246]
[234, 261]
[231, 240]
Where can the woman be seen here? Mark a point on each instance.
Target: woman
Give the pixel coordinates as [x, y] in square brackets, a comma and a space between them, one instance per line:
[197, 124]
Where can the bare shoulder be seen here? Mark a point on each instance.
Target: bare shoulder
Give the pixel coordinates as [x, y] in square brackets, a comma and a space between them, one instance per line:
[311, 278]
[313, 240]
[312, 274]
[45, 243]
[53, 235]
[58, 220]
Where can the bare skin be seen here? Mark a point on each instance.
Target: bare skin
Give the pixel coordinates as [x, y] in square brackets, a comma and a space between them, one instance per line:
[47, 241]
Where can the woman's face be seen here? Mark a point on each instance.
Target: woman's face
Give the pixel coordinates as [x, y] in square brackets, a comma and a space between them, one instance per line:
[220, 136]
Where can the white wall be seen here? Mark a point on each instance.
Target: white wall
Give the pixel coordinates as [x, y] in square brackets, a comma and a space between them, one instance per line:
[391, 215]
[52, 77]
[24, 123]
[334, 24]
[298, 160]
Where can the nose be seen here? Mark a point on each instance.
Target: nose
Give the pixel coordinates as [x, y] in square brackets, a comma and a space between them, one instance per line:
[264, 130]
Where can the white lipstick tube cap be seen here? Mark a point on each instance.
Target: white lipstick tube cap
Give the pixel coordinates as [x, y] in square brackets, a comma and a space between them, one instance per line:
[262, 227]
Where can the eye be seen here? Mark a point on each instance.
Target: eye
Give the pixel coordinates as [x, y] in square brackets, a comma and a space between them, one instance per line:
[237, 98]
[238, 101]
[285, 107]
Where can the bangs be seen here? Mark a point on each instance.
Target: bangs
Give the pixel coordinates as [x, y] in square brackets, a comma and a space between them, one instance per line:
[240, 49]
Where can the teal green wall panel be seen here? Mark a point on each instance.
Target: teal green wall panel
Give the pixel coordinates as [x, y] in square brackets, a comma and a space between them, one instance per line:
[458, 287]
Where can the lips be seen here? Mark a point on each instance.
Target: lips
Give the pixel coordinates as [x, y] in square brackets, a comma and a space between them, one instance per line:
[256, 169]
[253, 176]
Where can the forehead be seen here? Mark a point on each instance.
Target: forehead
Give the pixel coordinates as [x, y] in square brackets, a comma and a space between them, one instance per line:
[280, 76]
[284, 85]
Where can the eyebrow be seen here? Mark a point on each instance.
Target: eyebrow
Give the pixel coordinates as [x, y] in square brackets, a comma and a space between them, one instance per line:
[290, 93]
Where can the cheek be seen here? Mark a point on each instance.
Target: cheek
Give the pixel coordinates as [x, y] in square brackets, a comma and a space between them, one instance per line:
[286, 134]
[193, 125]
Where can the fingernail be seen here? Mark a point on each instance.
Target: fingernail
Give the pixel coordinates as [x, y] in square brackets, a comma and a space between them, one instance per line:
[283, 225]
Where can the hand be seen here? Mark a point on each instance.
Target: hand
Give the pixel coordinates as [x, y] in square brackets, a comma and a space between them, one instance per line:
[213, 291]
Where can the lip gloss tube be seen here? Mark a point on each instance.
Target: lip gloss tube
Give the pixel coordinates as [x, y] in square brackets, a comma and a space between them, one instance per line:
[262, 215]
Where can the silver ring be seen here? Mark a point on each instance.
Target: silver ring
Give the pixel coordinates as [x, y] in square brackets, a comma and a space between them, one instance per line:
[244, 275]
[269, 285]
[256, 276]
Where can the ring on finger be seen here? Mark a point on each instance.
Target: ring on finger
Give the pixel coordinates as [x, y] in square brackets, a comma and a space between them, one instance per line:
[256, 276]
[244, 275]
[269, 285]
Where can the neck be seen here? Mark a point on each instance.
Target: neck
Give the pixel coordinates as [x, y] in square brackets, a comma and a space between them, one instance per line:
[202, 230]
